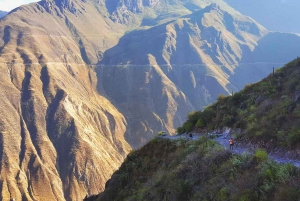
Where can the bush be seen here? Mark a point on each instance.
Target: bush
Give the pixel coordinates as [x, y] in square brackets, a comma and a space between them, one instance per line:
[180, 130]
[228, 121]
[160, 133]
[188, 126]
[293, 137]
[221, 97]
[261, 155]
[223, 194]
[194, 116]
[200, 123]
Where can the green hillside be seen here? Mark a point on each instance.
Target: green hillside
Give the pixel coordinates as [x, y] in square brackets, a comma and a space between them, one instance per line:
[267, 112]
[171, 170]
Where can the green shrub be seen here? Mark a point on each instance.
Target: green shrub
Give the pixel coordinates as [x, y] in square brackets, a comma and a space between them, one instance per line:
[200, 123]
[194, 116]
[261, 155]
[240, 160]
[292, 84]
[238, 98]
[223, 194]
[293, 137]
[228, 121]
[188, 126]
[180, 130]
[159, 133]
[248, 88]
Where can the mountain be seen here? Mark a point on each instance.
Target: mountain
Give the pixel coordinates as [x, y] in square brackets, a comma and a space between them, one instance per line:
[262, 115]
[277, 15]
[2, 13]
[60, 139]
[85, 81]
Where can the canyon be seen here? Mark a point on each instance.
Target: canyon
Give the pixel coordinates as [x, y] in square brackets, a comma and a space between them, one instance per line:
[85, 81]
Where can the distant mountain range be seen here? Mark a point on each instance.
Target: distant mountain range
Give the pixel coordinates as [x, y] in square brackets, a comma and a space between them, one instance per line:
[275, 15]
[3, 13]
[84, 81]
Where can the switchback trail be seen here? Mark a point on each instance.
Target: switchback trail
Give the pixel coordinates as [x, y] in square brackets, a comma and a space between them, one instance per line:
[223, 140]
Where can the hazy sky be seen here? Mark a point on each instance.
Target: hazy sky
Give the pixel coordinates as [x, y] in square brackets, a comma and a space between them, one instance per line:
[8, 5]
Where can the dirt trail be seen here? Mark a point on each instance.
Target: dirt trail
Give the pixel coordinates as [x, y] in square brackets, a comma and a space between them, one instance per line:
[223, 140]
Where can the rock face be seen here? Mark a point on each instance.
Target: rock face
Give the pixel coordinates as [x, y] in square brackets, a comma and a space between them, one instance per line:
[83, 80]
[60, 139]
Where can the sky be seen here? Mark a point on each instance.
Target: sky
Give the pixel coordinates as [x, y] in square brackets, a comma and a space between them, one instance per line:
[8, 5]
[275, 15]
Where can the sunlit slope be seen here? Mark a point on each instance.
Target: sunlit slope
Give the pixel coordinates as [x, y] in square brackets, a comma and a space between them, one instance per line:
[60, 139]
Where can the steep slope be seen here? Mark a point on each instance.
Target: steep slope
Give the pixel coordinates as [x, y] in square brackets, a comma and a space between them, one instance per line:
[60, 139]
[266, 112]
[200, 170]
[2, 13]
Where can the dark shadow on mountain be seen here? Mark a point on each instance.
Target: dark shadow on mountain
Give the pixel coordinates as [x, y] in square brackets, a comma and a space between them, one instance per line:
[147, 41]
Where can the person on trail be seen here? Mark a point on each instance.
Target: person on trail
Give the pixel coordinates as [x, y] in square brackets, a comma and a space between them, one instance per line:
[231, 143]
[191, 135]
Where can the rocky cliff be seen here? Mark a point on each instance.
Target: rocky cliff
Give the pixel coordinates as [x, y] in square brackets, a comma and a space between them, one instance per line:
[83, 80]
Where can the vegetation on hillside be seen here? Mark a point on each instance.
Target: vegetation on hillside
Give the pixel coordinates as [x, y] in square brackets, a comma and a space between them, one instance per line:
[267, 111]
[165, 170]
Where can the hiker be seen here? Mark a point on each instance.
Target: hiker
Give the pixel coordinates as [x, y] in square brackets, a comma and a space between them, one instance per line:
[231, 143]
[191, 135]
